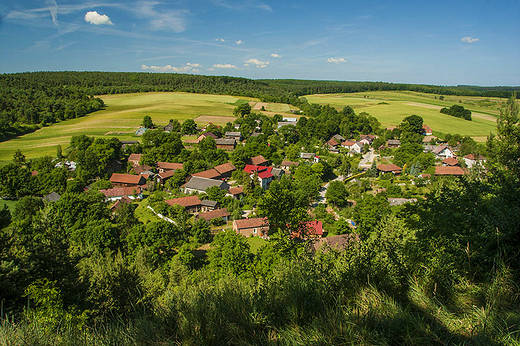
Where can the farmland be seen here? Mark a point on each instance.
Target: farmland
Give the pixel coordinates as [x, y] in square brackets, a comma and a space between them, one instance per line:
[122, 116]
[390, 107]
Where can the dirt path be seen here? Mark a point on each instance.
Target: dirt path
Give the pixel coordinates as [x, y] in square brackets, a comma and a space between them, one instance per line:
[259, 106]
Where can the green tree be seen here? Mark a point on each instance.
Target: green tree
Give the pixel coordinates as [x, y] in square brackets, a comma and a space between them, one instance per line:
[337, 193]
[242, 110]
[189, 127]
[230, 254]
[147, 122]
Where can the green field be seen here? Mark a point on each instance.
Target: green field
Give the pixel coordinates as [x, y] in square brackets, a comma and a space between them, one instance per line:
[10, 204]
[122, 116]
[401, 104]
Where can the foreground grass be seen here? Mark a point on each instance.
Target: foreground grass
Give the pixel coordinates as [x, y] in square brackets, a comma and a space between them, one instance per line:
[122, 116]
[400, 104]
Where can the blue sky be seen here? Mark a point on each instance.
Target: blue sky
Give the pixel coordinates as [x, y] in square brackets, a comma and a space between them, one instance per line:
[442, 42]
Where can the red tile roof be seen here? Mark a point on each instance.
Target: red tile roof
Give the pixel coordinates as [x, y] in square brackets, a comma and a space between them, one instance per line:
[265, 174]
[449, 170]
[451, 161]
[126, 179]
[210, 215]
[134, 157]
[472, 157]
[253, 168]
[252, 223]
[236, 190]
[121, 191]
[258, 160]
[190, 201]
[389, 168]
[225, 168]
[166, 174]
[169, 165]
[210, 174]
[348, 143]
[332, 142]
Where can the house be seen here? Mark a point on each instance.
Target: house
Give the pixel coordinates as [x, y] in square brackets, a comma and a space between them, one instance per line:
[52, 197]
[140, 131]
[252, 227]
[120, 192]
[191, 204]
[357, 148]
[286, 123]
[119, 203]
[309, 229]
[259, 161]
[210, 174]
[332, 144]
[400, 201]
[338, 138]
[426, 130]
[286, 165]
[277, 173]
[310, 156]
[200, 185]
[348, 144]
[162, 177]
[450, 161]
[449, 170]
[169, 127]
[336, 242]
[208, 205]
[472, 160]
[127, 180]
[428, 139]
[393, 143]
[143, 170]
[264, 174]
[168, 166]
[206, 135]
[290, 119]
[126, 144]
[226, 143]
[390, 168]
[236, 192]
[210, 215]
[443, 151]
[368, 138]
[237, 136]
[225, 170]
[135, 158]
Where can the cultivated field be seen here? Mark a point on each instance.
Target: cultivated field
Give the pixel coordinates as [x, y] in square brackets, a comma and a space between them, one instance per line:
[400, 104]
[122, 116]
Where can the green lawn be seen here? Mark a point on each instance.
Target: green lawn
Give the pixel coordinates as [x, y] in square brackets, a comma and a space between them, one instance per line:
[122, 116]
[401, 104]
[255, 243]
[10, 204]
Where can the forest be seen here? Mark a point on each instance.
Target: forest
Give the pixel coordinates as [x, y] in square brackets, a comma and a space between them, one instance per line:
[32, 99]
[444, 270]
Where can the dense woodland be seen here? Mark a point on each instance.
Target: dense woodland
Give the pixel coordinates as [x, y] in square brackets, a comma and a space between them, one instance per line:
[40, 98]
[444, 270]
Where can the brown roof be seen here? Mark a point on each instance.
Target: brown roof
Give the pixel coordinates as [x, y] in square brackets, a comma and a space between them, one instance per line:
[252, 223]
[290, 163]
[34, 173]
[208, 134]
[190, 201]
[449, 170]
[472, 157]
[141, 169]
[332, 142]
[166, 174]
[169, 165]
[389, 168]
[210, 215]
[451, 161]
[258, 160]
[336, 242]
[225, 168]
[120, 202]
[210, 174]
[348, 143]
[120, 191]
[236, 190]
[127, 179]
[134, 157]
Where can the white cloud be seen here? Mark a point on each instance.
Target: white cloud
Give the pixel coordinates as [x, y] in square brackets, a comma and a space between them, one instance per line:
[240, 42]
[53, 9]
[265, 7]
[258, 63]
[161, 19]
[468, 39]
[95, 18]
[336, 60]
[169, 68]
[220, 40]
[275, 55]
[224, 66]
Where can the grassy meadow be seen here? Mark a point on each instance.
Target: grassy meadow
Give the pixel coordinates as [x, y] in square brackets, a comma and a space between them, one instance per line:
[122, 116]
[390, 107]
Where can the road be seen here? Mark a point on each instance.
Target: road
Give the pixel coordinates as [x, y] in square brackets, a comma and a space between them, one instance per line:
[367, 160]
[323, 191]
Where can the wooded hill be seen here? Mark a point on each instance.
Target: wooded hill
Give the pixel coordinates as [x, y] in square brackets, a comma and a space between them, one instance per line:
[48, 97]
